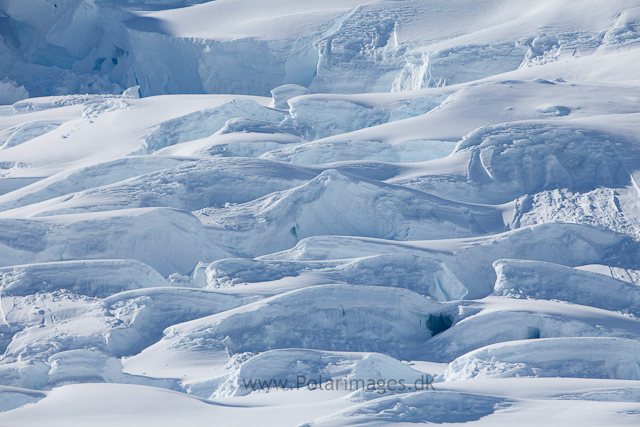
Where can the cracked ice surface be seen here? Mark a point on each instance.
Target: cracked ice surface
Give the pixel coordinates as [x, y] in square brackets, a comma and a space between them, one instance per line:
[319, 213]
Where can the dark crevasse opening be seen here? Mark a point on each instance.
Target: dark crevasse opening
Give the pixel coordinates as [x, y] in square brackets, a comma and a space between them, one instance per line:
[438, 323]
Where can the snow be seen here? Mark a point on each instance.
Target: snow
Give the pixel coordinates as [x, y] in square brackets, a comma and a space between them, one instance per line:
[83, 178]
[27, 132]
[516, 278]
[282, 94]
[99, 278]
[421, 274]
[104, 235]
[233, 210]
[359, 318]
[312, 369]
[610, 358]
[12, 398]
[205, 123]
[569, 244]
[496, 320]
[190, 186]
[275, 222]
[422, 407]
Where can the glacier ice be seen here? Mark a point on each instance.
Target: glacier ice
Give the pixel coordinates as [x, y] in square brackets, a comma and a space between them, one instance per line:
[458, 64]
[190, 186]
[553, 357]
[96, 236]
[202, 202]
[11, 397]
[568, 244]
[523, 279]
[277, 221]
[356, 318]
[26, 132]
[420, 407]
[99, 278]
[497, 323]
[83, 178]
[322, 151]
[296, 368]
[10, 92]
[205, 123]
[421, 274]
[532, 158]
[282, 94]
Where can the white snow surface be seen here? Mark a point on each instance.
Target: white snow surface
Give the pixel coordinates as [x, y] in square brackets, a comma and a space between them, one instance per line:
[328, 213]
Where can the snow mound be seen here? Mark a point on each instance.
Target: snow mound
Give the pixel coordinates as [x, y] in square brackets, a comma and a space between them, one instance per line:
[84, 178]
[12, 397]
[280, 220]
[329, 317]
[529, 279]
[327, 151]
[420, 274]
[470, 260]
[91, 366]
[557, 111]
[424, 407]
[27, 132]
[614, 358]
[204, 123]
[99, 278]
[295, 369]
[152, 236]
[133, 92]
[530, 320]
[189, 186]
[142, 315]
[525, 158]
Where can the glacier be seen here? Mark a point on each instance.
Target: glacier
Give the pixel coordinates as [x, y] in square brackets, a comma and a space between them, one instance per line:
[328, 213]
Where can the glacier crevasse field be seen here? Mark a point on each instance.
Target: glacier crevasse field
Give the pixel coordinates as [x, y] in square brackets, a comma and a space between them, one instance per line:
[231, 212]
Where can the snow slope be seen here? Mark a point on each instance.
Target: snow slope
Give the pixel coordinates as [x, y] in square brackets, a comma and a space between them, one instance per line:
[321, 213]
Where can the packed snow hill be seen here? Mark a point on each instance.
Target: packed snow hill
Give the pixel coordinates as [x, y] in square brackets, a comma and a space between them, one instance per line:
[327, 213]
